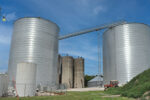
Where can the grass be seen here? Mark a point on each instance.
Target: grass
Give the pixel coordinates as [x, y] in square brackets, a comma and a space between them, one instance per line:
[94, 95]
[135, 88]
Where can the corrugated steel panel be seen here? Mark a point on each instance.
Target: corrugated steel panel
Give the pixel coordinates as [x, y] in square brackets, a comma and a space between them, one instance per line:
[126, 51]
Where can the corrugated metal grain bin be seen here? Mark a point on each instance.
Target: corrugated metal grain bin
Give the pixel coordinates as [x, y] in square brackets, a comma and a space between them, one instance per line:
[79, 73]
[96, 82]
[26, 79]
[126, 51]
[67, 71]
[35, 40]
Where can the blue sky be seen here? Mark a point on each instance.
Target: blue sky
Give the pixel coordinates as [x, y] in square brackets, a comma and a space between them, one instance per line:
[71, 16]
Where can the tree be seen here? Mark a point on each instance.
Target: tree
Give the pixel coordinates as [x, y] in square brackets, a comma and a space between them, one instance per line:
[87, 78]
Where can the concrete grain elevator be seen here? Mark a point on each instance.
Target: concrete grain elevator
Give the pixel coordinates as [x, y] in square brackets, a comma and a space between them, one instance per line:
[79, 73]
[67, 71]
[59, 69]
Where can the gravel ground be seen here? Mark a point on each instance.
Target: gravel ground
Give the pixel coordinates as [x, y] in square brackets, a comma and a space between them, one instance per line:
[87, 89]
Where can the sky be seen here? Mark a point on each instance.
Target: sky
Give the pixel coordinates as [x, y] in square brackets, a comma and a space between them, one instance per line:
[72, 16]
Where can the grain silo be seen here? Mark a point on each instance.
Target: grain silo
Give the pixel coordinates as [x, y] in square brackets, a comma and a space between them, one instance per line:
[59, 68]
[67, 71]
[3, 84]
[79, 73]
[35, 40]
[26, 79]
[126, 51]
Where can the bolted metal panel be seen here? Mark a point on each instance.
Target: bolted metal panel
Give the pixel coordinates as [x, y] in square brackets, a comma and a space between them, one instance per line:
[67, 71]
[26, 79]
[35, 40]
[3, 84]
[126, 51]
[79, 73]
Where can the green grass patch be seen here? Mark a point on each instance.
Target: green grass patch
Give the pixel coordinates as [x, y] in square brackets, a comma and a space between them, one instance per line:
[135, 88]
[95, 95]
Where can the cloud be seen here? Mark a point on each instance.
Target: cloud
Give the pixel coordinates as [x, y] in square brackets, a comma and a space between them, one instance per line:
[11, 16]
[91, 7]
[80, 15]
[98, 9]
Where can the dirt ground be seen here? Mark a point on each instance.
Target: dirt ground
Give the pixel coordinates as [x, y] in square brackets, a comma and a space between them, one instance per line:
[86, 89]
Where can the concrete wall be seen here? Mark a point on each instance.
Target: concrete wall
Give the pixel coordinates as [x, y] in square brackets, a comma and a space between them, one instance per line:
[3, 84]
[26, 79]
[79, 73]
[67, 71]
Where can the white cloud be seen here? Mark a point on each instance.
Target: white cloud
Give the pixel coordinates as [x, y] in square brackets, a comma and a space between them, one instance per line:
[11, 16]
[91, 6]
[81, 14]
[98, 9]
